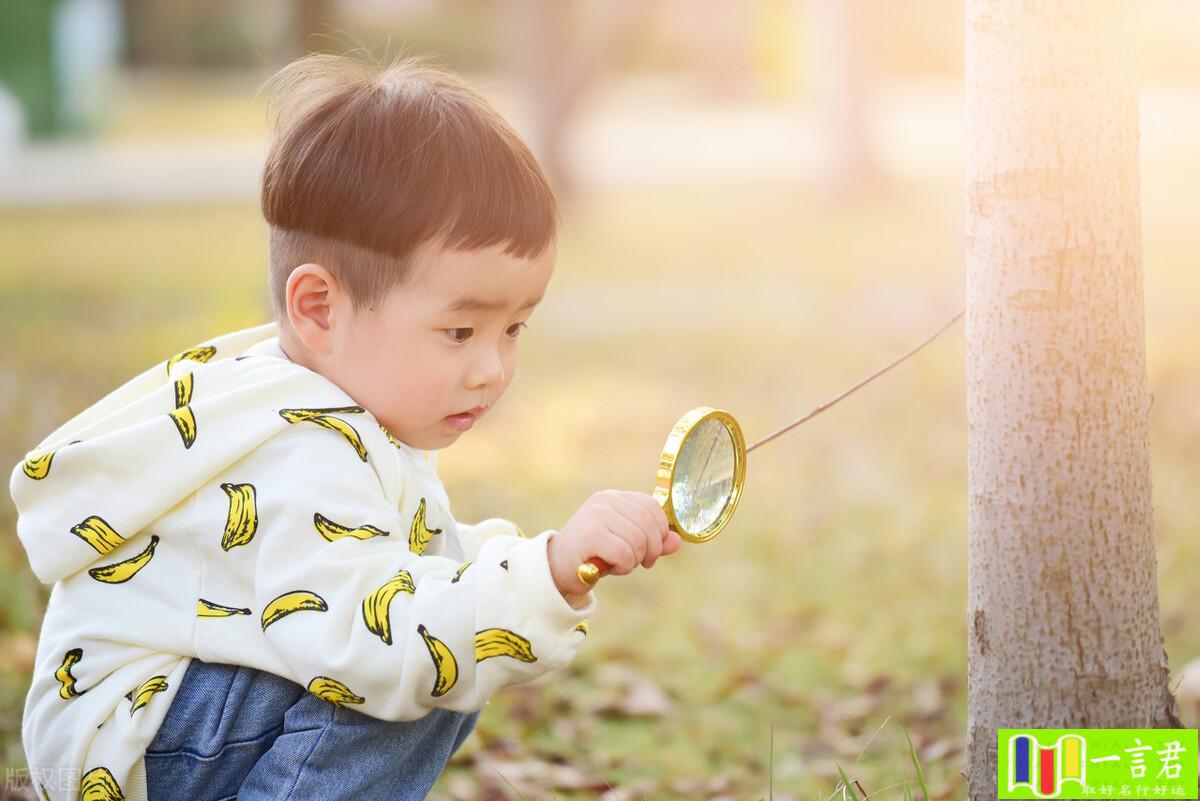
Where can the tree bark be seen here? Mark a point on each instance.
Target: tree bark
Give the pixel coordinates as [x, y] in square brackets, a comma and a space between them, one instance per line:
[1063, 621]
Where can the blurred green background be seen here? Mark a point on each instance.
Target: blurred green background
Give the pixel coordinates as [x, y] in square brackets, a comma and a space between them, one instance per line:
[762, 204]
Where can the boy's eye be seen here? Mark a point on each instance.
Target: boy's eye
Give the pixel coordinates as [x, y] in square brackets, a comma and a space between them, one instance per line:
[460, 334]
[515, 329]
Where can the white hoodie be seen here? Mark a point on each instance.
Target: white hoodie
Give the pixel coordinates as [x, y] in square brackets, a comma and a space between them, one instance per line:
[232, 505]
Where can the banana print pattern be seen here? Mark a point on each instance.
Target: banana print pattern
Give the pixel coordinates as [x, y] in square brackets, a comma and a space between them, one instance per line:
[582, 628]
[443, 662]
[333, 691]
[183, 417]
[67, 689]
[99, 784]
[197, 354]
[335, 531]
[236, 516]
[209, 609]
[376, 607]
[324, 418]
[502, 642]
[295, 601]
[120, 572]
[37, 466]
[390, 437]
[96, 532]
[141, 695]
[420, 535]
[241, 522]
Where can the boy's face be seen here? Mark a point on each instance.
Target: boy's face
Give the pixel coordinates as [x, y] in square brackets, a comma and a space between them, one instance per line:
[441, 349]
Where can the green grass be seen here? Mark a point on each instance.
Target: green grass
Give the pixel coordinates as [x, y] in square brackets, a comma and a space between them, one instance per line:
[835, 601]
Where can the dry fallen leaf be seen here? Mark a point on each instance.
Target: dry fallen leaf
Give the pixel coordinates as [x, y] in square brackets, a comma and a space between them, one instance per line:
[623, 691]
[536, 773]
[632, 791]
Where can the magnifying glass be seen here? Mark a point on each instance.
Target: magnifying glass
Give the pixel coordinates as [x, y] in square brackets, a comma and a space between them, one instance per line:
[703, 466]
[699, 479]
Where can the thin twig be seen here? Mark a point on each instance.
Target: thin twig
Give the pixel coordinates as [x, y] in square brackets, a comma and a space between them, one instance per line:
[771, 767]
[857, 386]
[870, 739]
[510, 784]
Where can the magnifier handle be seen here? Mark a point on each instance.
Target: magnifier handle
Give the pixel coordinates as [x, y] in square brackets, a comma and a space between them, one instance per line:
[591, 570]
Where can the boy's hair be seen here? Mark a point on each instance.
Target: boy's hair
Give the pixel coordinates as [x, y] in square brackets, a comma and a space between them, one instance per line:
[368, 163]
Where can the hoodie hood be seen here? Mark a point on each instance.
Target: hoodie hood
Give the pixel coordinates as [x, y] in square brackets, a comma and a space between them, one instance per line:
[109, 472]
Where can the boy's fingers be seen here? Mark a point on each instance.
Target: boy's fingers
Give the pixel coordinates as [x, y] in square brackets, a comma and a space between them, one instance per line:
[648, 529]
[619, 553]
[660, 516]
[630, 528]
[647, 503]
[671, 543]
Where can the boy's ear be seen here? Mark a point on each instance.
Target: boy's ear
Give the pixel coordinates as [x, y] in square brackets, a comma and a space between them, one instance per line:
[313, 299]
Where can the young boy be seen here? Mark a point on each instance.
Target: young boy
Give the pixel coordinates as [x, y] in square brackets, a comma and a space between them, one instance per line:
[259, 589]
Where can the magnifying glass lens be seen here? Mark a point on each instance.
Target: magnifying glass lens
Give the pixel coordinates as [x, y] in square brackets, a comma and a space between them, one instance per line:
[703, 481]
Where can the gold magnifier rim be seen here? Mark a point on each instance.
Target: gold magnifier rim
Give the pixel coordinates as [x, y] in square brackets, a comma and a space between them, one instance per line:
[665, 475]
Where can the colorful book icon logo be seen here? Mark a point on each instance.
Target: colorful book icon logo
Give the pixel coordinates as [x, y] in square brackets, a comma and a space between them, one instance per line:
[1046, 770]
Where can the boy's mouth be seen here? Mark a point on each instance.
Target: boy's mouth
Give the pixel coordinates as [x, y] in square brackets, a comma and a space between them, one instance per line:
[464, 420]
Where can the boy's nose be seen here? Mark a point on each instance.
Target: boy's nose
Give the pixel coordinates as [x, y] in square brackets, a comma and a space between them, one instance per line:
[487, 370]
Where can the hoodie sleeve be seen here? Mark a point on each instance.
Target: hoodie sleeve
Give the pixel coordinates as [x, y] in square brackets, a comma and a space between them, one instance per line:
[354, 614]
[472, 536]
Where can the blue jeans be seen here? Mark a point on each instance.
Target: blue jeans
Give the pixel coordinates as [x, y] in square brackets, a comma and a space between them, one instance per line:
[236, 732]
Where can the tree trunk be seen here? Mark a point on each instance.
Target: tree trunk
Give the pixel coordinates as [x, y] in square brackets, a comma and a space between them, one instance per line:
[844, 93]
[1063, 623]
[557, 64]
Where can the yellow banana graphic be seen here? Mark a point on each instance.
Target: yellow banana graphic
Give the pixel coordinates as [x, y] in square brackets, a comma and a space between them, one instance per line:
[120, 572]
[333, 691]
[68, 690]
[376, 607]
[443, 662]
[98, 534]
[322, 417]
[294, 601]
[390, 437]
[335, 531]
[461, 569]
[242, 520]
[502, 642]
[582, 628]
[98, 784]
[185, 422]
[419, 535]
[37, 466]
[45, 795]
[142, 694]
[183, 390]
[209, 609]
[183, 416]
[198, 354]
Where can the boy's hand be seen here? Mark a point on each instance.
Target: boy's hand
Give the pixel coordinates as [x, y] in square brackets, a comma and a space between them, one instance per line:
[625, 529]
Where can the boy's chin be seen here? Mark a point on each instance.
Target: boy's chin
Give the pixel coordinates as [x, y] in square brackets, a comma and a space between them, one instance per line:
[427, 440]
[433, 442]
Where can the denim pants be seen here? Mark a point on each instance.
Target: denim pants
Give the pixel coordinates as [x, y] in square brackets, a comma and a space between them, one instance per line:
[236, 732]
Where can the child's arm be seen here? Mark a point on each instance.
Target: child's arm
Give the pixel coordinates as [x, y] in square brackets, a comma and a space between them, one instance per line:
[363, 620]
